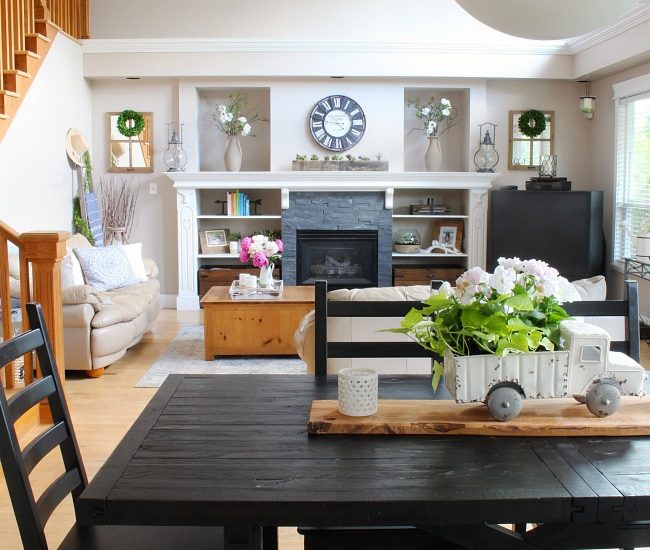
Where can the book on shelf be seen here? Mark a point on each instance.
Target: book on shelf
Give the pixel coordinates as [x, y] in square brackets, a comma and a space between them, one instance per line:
[429, 209]
[238, 204]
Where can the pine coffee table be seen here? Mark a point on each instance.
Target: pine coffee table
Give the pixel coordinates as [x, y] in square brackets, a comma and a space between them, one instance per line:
[253, 327]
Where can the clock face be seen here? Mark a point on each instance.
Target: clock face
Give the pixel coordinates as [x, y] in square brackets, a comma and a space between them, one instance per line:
[337, 122]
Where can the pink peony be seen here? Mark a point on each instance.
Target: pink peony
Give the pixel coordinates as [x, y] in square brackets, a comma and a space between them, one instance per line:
[260, 260]
[243, 257]
[280, 245]
[245, 243]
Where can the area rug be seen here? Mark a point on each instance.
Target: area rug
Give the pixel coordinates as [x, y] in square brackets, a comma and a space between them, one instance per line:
[185, 356]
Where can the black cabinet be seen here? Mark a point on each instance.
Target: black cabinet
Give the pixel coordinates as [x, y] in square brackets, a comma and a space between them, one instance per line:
[563, 228]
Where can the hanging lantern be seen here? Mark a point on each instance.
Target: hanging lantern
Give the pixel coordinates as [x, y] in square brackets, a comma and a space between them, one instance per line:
[587, 102]
[486, 158]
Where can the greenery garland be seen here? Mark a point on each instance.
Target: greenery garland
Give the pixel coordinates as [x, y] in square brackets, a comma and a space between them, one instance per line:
[80, 224]
[532, 123]
[122, 123]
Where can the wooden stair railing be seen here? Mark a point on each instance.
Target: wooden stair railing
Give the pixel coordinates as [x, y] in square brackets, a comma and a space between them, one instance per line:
[39, 252]
[27, 28]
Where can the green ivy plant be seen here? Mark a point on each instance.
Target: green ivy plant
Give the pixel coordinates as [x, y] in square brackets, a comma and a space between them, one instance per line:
[130, 123]
[80, 224]
[87, 172]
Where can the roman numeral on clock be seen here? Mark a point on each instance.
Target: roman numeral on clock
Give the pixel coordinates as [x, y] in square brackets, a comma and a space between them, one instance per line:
[337, 102]
[357, 122]
[327, 142]
[326, 105]
[320, 134]
[337, 143]
[318, 113]
[355, 132]
[317, 124]
[352, 113]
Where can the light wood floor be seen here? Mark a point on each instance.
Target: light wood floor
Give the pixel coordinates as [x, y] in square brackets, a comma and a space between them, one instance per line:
[102, 411]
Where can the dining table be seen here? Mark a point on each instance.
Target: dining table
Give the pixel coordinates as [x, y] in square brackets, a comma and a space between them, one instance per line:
[234, 451]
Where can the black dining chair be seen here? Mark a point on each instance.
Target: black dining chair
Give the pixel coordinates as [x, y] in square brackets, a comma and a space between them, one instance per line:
[31, 513]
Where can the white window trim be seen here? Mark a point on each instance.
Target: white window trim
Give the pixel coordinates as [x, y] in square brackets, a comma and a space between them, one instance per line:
[633, 86]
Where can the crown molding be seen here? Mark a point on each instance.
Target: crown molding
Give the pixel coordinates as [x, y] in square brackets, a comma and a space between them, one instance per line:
[637, 16]
[225, 45]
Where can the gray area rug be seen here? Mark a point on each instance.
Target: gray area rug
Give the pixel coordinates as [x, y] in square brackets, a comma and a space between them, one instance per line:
[185, 356]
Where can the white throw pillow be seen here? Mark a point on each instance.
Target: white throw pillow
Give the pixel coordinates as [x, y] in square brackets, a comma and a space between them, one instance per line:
[105, 268]
[134, 255]
[71, 274]
[594, 288]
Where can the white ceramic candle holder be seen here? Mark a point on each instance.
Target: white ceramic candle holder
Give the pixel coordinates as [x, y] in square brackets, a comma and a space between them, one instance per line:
[358, 390]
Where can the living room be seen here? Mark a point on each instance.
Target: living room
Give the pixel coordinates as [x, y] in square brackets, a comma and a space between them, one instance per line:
[178, 61]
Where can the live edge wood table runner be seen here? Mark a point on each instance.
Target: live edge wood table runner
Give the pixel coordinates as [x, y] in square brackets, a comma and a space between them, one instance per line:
[542, 417]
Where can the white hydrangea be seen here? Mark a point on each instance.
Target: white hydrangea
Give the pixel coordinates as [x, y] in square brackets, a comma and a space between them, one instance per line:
[511, 263]
[470, 283]
[270, 248]
[503, 280]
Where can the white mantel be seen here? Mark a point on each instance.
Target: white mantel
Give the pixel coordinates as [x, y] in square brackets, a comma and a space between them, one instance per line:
[189, 184]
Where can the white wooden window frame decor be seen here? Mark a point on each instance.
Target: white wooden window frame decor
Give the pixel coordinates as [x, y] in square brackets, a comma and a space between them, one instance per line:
[536, 145]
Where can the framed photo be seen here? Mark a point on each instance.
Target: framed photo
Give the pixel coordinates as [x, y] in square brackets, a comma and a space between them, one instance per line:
[213, 241]
[449, 232]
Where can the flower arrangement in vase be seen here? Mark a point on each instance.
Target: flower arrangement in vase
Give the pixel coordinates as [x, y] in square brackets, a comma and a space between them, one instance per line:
[516, 309]
[437, 118]
[264, 252]
[233, 120]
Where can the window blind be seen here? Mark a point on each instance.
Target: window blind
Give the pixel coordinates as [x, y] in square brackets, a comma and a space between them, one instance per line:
[632, 173]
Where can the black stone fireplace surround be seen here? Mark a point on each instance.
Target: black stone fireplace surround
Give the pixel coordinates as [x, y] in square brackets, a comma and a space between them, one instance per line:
[340, 210]
[344, 258]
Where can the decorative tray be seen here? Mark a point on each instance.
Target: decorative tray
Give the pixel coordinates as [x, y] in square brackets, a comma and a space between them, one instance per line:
[249, 293]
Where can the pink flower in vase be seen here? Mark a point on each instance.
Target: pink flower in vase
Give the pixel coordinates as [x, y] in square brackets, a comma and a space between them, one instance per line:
[280, 245]
[260, 260]
[245, 244]
[243, 257]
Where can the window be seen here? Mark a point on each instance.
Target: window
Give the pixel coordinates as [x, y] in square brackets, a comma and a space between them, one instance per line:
[590, 354]
[130, 154]
[632, 164]
[524, 152]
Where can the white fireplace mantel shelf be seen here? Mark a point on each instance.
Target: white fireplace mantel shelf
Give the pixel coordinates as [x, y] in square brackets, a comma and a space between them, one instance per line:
[332, 181]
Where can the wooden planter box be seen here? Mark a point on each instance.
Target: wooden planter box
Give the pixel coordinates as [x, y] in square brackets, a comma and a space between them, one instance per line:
[340, 165]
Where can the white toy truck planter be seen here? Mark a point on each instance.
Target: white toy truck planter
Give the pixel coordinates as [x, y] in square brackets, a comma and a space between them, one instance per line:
[585, 369]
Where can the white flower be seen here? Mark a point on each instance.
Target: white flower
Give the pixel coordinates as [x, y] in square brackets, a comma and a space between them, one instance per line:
[445, 289]
[511, 263]
[246, 130]
[222, 108]
[228, 117]
[445, 112]
[222, 118]
[565, 291]
[503, 279]
[270, 248]
[425, 111]
[242, 119]
[471, 283]
[445, 101]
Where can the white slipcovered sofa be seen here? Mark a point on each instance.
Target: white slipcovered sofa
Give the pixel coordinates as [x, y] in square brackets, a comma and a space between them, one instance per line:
[366, 329]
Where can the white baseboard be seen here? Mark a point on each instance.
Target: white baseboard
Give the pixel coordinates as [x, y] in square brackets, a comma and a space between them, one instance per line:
[168, 301]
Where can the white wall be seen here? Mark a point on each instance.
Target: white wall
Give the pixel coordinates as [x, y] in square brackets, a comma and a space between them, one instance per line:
[36, 179]
[155, 221]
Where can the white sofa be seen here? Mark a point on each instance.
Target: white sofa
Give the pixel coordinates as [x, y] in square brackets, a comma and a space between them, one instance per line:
[366, 329]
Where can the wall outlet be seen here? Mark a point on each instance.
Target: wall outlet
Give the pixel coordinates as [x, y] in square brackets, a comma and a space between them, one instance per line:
[153, 188]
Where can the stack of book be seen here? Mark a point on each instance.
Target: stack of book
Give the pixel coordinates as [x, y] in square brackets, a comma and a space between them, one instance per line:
[238, 204]
[429, 209]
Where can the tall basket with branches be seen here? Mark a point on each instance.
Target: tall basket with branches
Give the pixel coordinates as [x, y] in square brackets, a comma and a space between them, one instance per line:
[119, 201]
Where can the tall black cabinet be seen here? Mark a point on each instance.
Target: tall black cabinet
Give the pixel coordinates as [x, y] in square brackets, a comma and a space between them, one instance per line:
[563, 228]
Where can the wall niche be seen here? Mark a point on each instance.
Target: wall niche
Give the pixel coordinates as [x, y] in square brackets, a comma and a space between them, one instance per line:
[256, 148]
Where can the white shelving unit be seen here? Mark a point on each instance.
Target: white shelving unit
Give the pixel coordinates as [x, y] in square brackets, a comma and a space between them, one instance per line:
[464, 192]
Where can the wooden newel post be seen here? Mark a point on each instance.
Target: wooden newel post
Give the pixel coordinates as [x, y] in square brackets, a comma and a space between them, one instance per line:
[44, 251]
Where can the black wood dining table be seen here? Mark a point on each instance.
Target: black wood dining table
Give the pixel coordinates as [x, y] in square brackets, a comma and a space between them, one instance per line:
[233, 450]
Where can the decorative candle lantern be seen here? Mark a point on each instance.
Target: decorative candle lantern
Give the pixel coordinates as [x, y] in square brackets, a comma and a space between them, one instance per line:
[175, 158]
[486, 158]
[587, 102]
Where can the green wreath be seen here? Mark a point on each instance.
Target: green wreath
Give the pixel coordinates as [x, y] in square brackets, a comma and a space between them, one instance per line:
[532, 123]
[127, 116]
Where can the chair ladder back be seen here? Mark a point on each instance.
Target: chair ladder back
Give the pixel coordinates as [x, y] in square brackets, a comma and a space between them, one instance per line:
[325, 350]
[32, 515]
[627, 308]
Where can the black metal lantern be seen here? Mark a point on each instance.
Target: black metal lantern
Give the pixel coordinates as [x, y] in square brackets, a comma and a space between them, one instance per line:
[486, 158]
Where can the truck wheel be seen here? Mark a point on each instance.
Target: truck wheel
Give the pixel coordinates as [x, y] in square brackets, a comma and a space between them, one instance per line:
[603, 399]
[504, 403]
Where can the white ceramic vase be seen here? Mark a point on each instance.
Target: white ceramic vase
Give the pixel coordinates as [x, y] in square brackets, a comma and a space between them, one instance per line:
[433, 155]
[232, 155]
[266, 276]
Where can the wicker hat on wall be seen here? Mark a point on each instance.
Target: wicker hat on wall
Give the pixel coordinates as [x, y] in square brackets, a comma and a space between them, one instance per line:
[76, 145]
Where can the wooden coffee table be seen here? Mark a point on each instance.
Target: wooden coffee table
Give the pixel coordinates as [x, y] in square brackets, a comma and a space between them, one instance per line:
[253, 327]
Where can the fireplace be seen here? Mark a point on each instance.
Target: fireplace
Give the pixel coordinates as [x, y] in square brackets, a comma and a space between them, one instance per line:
[344, 258]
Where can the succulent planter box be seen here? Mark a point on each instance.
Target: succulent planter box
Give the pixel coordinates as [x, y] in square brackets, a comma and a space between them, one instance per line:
[586, 370]
[340, 165]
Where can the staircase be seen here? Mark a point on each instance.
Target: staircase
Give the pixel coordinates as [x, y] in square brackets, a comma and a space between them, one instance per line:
[27, 28]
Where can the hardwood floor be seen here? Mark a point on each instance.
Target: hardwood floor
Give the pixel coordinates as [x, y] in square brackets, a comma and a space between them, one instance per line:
[102, 410]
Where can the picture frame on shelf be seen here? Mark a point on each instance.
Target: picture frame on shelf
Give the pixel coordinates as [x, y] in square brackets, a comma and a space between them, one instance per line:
[213, 241]
[449, 232]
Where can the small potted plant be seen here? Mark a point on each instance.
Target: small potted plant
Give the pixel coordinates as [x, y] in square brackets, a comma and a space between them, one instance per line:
[407, 242]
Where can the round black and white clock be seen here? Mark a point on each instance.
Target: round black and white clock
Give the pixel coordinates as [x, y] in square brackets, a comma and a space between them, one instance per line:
[337, 122]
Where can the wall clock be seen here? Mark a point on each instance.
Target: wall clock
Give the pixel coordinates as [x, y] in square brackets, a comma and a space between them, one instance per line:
[337, 122]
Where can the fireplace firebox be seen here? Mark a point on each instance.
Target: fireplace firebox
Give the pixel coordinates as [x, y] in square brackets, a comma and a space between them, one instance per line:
[344, 258]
